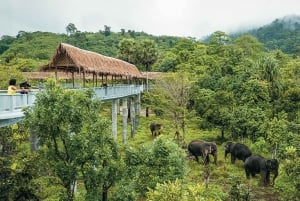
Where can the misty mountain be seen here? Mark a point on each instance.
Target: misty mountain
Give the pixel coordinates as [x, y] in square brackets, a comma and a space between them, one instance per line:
[283, 34]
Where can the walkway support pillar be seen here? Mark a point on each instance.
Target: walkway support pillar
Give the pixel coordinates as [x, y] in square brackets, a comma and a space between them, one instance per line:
[34, 141]
[132, 117]
[114, 117]
[124, 112]
[137, 110]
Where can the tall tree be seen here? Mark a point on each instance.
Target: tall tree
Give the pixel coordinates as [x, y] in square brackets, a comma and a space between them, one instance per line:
[127, 50]
[107, 31]
[75, 139]
[147, 56]
[71, 28]
[172, 94]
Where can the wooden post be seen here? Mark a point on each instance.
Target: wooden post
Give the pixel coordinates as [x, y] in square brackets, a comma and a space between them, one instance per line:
[96, 80]
[73, 81]
[83, 78]
[93, 79]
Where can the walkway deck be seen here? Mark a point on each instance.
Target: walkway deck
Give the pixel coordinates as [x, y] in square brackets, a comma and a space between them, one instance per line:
[11, 105]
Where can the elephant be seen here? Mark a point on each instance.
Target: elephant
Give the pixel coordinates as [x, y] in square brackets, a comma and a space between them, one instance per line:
[257, 164]
[237, 151]
[155, 129]
[203, 148]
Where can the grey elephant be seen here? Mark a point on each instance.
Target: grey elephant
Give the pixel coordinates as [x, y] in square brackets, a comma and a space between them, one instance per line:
[203, 148]
[155, 129]
[257, 164]
[237, 151]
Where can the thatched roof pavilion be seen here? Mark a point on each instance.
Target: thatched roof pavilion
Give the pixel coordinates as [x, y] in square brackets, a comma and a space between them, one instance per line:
[68, 58]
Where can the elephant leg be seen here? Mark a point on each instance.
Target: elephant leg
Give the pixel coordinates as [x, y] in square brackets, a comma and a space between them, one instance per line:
[207, 158]
[197, 159]
[263, 175]
[268, 178]
[247, 173]
[232, 159]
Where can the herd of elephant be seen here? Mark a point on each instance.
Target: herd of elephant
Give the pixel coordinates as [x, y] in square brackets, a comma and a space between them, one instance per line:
[253, 163]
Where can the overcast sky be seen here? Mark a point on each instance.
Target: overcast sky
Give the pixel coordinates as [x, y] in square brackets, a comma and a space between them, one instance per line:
[193, 18]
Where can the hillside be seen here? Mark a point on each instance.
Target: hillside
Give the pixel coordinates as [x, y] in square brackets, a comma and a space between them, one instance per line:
[39, 46]
[283, 34]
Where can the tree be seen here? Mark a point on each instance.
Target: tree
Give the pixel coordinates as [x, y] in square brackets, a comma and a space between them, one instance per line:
[107, 31]
[217, 43]
[18, 167]
[147, 56]
[74, 139]
[147, 53]
[156, 162]
[249, 44]
[172, 94]
[71, 28]
[127, 50]
[270, 72]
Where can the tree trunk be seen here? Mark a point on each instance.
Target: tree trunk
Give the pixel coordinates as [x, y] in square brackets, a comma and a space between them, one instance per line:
[104, 195]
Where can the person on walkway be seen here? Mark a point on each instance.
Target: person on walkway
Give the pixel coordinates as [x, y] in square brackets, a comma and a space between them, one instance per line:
[12, 89]
[24, 86]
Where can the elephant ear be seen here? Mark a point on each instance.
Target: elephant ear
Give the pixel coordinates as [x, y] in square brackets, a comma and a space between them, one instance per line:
[228, 145]
[269, 164]
[272, 164]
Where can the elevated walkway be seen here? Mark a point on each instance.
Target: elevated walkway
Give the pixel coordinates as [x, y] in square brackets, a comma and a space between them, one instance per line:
[11, 105]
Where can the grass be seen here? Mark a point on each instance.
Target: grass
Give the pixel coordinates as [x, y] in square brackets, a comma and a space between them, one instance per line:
[221, 175]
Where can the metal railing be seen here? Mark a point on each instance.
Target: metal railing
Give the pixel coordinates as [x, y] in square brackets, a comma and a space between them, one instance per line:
[11, 105]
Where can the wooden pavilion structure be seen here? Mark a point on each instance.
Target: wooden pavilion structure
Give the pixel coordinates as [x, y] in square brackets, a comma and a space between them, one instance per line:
[89, 65]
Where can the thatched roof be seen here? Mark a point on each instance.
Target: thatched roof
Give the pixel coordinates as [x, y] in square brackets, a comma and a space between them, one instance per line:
[61, 75]
[72, 59]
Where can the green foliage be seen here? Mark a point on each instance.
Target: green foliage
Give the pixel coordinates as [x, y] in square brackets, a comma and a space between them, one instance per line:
[76, 140]
[177, 191]
[18, 167]
[8, 72]
[154, 162]
[241, 91]
[260, 146]
[142, 53]
[71, 28]
[288, 182]
[239, 191]
[170, 95]
[280, 34]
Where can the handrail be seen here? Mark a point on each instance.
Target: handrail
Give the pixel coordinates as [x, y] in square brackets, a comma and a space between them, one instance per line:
[11, 105]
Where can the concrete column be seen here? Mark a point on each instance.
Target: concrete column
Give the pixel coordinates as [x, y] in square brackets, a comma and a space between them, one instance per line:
[114, 117]
[119, 112]
[34, 141]
[124, 130]
[137, 110]
[132, 117]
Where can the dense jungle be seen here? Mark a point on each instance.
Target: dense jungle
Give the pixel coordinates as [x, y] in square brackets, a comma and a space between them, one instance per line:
[240, 87]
